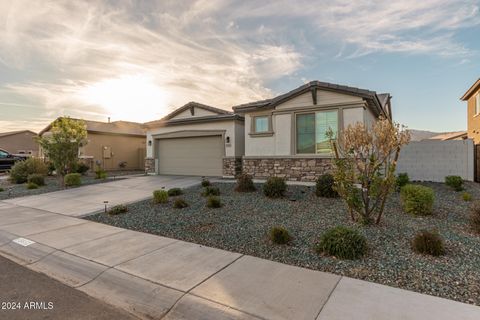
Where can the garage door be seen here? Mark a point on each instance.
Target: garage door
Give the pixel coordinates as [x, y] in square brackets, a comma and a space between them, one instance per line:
[199, 156]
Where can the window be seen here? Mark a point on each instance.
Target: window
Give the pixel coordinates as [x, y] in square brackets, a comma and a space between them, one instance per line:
[3, 154]
[312, 129]
[261, 124]
[477, 104]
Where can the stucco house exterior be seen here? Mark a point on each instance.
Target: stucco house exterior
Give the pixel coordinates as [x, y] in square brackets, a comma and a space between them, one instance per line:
[117, 145]
[19, 142]
[283, 136]
[472, 97]
[196, 139]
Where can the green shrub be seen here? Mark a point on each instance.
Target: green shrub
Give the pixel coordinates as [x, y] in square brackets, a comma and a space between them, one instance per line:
[211, 191]
[280, 235]
[160, 196]
[402, 180]
[244, 183]
[466, 196]
[475, 217]
[426, 242]
[82, 168]
[455, 182]
[72, 179]
[101, 174]
[121, 208]
[1, 189]
[343, 243]
[213, 202]
[22, 169]
[32, 185]
[417, 199]
[274, 187]
[50, 168]
[180, 203]
[205, 183]
[175, 192]
[36, 178]
[324, 186]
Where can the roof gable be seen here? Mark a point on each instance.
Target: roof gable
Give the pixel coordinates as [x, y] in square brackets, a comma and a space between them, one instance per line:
[195, 109]
[471, 90]
[11, 133]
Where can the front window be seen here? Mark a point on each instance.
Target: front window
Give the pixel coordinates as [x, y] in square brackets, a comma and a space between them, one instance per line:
[261, 124]
[3, 154]
[477, 105]
[312, 131]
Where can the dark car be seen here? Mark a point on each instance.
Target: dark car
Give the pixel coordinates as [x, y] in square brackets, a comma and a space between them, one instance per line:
[7, 160]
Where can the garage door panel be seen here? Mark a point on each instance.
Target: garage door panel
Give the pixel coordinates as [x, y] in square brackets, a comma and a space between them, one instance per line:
[191, 156]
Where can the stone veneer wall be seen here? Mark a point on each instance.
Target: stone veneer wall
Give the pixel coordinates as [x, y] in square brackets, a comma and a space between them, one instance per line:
[296, 169]
[149, 165]
[232, 166]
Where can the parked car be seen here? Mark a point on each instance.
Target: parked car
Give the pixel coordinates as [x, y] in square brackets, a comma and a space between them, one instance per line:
[7, 160]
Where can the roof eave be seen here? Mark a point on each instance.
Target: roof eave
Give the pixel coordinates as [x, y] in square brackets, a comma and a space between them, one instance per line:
[471, 90]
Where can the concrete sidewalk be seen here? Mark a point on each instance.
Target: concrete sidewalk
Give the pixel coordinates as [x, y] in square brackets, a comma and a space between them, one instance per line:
[161, 278]
[88, 199]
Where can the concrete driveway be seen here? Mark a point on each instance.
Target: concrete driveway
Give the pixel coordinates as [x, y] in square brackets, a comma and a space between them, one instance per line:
[86, 200]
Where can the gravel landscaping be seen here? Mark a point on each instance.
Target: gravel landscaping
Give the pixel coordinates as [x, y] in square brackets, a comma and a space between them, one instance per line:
[11, 190]
[243, 223]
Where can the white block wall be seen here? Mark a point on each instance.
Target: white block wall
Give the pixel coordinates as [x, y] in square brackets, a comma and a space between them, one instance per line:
[432, 160]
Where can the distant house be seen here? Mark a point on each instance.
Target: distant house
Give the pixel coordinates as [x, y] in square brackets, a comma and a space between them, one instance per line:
[457, 135]
[118, 145]
[472, 96]
[19, 142]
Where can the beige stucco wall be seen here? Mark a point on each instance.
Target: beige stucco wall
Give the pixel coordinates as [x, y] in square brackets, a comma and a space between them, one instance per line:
[281, 143]
[123, 148]
[22, 141]
[473, 121]
[198, 112]
[231, 128]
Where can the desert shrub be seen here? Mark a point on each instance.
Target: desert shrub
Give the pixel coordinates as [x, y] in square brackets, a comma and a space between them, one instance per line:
[475, 217]
[402, 180]
[244, 183]
[160, 196]
[121, 208]
[274, 187]
[36, 178]
[175, 192]
[455, 182]
[101, 174]
[213, 202]
[417, 199]
[82, 168]
[325, 186]
[22, 169]
[211, 191]
[1, 189]
[50, 168]
[180, 203]
[72, 179]
[205, 183]
[280, 235]
[32, 185]
[427, 242]
[343, 243]
[466, 196]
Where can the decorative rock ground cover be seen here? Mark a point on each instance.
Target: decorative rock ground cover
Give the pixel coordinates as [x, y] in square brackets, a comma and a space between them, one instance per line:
[244, 221]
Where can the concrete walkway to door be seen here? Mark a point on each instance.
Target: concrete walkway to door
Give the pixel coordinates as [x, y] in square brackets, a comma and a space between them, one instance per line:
[88, 199]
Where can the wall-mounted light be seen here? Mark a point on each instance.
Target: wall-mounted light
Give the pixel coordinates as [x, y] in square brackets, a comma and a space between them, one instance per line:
[227, 139]
[149, 143]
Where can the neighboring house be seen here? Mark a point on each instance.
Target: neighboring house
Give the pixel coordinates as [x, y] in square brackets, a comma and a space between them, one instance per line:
[196, 139]
[19, 142]
[283, 136]
[457, 135]
[472, 96]
[118, 145]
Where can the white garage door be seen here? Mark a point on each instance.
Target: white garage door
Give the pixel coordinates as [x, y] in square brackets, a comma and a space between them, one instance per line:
[199, 156]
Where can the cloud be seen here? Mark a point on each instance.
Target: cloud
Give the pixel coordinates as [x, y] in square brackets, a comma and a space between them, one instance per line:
[217, 52]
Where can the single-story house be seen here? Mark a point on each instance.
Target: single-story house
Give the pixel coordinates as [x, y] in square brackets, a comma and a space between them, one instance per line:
[117, 145]
[283, 136]
[196, 139]
[19, 142]
[457, 135]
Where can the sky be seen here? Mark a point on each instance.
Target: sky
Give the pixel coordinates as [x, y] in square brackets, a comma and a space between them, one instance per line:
[139, 60]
